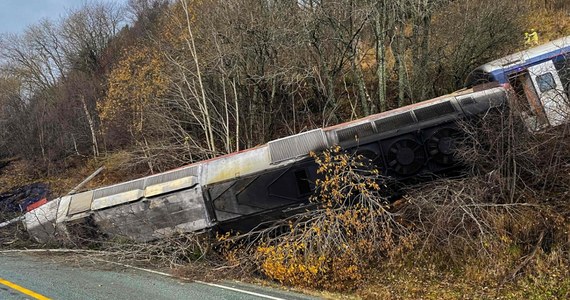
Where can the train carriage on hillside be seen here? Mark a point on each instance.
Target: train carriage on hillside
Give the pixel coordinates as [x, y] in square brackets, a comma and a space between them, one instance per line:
[267, 182]
[538, 78]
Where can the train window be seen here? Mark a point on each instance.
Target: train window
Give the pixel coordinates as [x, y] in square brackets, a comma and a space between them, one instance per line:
[303, 182]
[546, 82]
[562, 64]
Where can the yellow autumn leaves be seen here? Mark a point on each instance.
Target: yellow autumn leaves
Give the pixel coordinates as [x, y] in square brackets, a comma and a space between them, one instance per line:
[142, 77]
[135, 84]
[334, 246]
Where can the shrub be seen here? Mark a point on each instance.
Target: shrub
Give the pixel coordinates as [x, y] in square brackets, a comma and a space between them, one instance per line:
[353, 227]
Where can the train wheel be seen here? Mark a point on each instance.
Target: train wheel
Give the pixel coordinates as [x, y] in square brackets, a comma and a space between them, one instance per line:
[442, 144]
[405, 156]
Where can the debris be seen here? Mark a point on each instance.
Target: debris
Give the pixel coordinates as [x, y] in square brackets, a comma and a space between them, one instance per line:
[19, 199]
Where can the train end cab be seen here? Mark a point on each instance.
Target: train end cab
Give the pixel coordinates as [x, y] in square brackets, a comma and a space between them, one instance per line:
[539, 82]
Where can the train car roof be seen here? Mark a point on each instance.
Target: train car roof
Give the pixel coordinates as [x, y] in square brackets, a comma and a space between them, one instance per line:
[406, 108]
[526, 58]
[348, 123]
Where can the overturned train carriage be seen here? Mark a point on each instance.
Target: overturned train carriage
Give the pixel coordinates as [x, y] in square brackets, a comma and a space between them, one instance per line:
[242, 189]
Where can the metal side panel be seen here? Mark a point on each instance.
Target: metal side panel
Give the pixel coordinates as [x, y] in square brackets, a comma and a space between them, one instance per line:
[63, 208]
[172, 175]
[116, 199]
[180, 211]
[235, 165]
[355, 132]
[297, 145]
[394, 122]
[79, 216]
[80, 203]
[40, 222]
[138, 184]
[170, 186]
[434, 111]
[482, 101]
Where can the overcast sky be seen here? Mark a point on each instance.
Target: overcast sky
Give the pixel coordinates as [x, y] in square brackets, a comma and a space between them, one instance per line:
[16, 15]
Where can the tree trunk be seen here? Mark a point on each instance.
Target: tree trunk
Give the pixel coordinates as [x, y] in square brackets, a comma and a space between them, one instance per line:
[227, 138]
[192, 47]
[421, 52]
[94, 143]
[359, 77]
[329, 111]
[237, 113]
[379, 27]
[399, 53]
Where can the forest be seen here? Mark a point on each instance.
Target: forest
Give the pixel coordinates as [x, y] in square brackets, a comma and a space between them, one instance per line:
[165, 83]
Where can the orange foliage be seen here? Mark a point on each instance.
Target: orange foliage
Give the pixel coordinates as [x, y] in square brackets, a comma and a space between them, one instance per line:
[133, 85]
[335, 246]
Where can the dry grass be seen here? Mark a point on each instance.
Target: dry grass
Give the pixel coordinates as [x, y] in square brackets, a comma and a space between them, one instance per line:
[500, 231]
[14, 174]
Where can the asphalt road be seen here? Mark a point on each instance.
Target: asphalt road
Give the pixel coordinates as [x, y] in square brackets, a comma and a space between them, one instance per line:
[24, 276]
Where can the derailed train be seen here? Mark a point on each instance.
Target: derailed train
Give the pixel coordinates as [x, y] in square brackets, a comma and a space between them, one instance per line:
[244, 188]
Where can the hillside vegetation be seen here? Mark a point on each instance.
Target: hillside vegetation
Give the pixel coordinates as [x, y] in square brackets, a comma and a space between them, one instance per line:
[167, 83]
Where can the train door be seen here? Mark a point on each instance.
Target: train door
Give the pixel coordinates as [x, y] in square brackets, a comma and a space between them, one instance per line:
[526, 101]
[549, 90]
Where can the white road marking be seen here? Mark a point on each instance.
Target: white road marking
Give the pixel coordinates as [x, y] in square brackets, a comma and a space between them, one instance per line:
[152, 271]
[239, 290]
[196, 281]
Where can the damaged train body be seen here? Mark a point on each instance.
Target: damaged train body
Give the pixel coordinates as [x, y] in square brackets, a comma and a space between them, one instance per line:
[266, 181]
[242, 189]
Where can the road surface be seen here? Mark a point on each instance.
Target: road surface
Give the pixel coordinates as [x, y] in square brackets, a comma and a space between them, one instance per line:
[26, 276]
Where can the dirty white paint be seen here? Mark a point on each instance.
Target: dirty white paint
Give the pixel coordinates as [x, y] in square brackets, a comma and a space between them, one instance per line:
[80, 202]
[40, 222]
[116, 199]
[170, 186]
